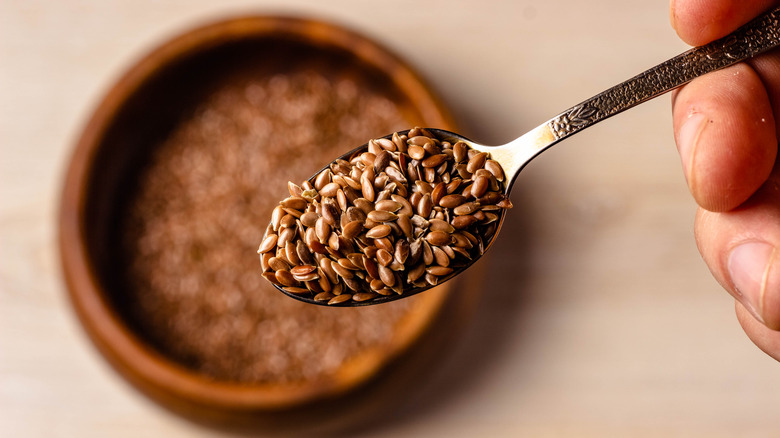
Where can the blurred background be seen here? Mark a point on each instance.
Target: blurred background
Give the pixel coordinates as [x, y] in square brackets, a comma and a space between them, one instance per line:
[597, 317]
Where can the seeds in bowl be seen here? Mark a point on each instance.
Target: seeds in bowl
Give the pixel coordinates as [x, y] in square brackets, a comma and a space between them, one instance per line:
[406, 212]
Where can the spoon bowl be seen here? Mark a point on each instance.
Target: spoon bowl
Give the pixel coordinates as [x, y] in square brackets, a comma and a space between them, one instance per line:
[757, 36]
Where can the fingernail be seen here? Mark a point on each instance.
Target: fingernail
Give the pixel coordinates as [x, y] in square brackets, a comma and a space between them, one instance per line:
[690, 133]
[749, 265]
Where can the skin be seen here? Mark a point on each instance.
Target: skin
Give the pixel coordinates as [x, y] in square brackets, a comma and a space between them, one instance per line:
[726, 129]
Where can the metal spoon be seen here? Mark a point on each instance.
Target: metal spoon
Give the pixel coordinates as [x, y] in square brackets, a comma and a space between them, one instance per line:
[759, 35]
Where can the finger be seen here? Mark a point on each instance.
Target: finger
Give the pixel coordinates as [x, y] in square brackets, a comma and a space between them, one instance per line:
[698, 22]
[767, 67]
[741, 248]
[766, 339]
[725, 133]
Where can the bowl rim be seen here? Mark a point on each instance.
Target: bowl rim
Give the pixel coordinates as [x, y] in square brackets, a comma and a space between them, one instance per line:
[147, 369]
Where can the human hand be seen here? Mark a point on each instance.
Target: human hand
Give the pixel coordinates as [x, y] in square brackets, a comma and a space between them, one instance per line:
[727, 125]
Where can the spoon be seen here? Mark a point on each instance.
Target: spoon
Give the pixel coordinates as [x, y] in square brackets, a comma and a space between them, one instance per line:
[757, 36]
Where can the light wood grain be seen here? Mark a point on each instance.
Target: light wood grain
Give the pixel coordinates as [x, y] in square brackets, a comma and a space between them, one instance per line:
[611, 325]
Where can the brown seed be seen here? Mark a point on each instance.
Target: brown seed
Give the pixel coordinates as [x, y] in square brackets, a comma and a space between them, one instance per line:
[490, 198]
[294, 189]
[467, 208]
[416, 272]
[370, 250]
[376, 284]
[405, 224]
[278, 264]
[493, 167]
[378, 231]
[338, 299]
[425, 205]
[354, 284]
[285, 278]
[271, 276]
[368, 158]
[466, 191]
[400, 142]
[440, 225]
[460, 151]
[382, 161]
[416, 152]
[327, 268]
[296, 290]
[307, 277]
[434, 161]
[341, 199]
[480, 186]
[342, 271]
[439, 271]
[265, 260]
[386, 144]
[462, 172]
[323, 296]
[323, 281]
[384, 243]
[461, 241]
[461, 222]
[406, 206]
[463, 252]
[352, 229]
[419, 140]
[303, 269]
[367, 188]
[388, 205]
[401, 251]
[347, 264]
[363, 296]
[440, 256]
[476, 162]
[382, 216]
[309, 219]
[276, 217]
[490, 218]
[384, 257]
[317, 247]
[331, 213]
[364, 205]
[432, 149]
[269, 242]
[355, 214]
[386, 275]
[295, 203]
[453, 185]
[322, 228]
[291, 254]
[439, 191]
[452, 201]
[438, 238]
[352, 183]
[322, 179]
[370, 267]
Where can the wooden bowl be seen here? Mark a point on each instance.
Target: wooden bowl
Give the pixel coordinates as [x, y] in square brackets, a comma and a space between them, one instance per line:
[136, 115]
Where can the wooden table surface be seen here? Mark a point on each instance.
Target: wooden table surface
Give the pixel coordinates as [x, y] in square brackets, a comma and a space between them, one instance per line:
[598, 319]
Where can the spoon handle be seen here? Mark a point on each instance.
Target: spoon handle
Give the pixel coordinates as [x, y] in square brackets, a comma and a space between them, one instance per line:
[757, 36]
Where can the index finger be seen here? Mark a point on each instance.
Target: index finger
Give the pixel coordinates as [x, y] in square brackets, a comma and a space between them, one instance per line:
[698, 22]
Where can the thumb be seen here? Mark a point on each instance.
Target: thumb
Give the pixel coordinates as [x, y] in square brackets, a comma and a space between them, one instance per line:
[742, 249]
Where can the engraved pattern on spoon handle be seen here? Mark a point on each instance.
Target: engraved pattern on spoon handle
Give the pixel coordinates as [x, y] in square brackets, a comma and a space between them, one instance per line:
[757, 36]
